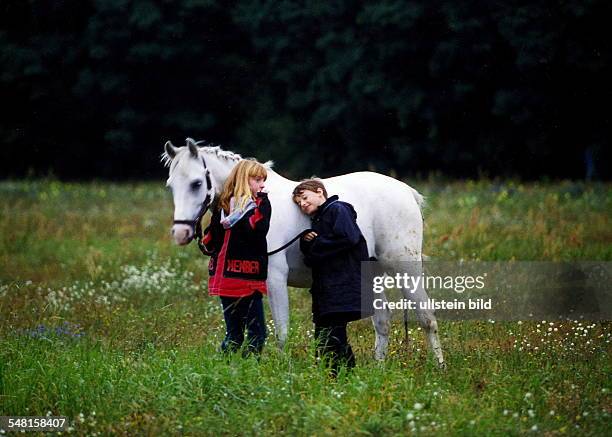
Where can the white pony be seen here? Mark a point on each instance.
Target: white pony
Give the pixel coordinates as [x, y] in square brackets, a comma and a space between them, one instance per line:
[388, 214]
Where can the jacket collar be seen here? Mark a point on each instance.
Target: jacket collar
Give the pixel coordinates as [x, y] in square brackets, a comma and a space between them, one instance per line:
[325, 205]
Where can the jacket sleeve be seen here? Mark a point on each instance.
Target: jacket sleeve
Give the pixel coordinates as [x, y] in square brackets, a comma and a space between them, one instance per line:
[212, 237]
[305, 247]
[260, 219]
[345, 234]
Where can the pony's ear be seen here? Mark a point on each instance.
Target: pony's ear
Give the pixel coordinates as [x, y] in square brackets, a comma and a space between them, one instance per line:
[193, 147]
[170, 149]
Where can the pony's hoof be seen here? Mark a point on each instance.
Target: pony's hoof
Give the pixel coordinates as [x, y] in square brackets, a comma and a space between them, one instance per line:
[380, 357]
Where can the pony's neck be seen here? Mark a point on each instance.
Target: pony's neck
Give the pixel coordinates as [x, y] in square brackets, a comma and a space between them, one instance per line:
[274, 176]
[221, 163]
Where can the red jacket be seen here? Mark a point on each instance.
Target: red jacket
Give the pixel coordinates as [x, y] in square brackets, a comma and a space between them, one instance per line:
[238, 263]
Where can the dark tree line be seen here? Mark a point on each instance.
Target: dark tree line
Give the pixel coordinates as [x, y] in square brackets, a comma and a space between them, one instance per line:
[94, 88]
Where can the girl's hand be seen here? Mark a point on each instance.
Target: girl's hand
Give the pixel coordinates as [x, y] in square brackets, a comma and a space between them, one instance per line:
[310, 236]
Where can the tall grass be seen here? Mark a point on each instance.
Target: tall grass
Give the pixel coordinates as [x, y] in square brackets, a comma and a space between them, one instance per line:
[105, 321]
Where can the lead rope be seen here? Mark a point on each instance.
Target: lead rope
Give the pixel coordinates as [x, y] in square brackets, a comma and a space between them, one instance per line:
[198, 236]
[283, 247]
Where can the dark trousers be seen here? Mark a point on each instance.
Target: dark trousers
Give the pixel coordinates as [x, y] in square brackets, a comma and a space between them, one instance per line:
[242, 313]
[333, 345]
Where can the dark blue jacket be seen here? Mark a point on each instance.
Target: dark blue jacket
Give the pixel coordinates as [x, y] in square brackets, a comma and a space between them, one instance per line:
[335, 257]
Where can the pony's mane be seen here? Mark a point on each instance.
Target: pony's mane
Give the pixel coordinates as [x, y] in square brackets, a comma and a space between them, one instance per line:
[216, 150]
[210, 149]
[165, 159]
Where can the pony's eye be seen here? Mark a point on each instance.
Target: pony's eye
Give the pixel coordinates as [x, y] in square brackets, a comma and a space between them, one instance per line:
[196, 185]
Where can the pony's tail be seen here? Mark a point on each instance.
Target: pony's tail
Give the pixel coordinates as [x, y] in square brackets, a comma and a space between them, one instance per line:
[420, 200]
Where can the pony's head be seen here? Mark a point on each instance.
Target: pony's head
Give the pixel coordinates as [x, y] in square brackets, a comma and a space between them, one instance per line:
[196, 178]
[192, 186]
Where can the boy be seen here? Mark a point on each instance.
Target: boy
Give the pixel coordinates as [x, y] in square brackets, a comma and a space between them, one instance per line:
[334, 250]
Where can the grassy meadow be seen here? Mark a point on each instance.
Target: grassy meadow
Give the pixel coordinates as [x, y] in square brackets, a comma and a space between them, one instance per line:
[104, 320]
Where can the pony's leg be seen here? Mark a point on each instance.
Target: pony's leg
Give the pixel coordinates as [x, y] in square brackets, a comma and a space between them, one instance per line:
[381, 321]
[278, 299]
[427, 321]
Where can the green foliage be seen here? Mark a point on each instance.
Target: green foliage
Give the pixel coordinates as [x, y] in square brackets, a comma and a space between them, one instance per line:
[414, 86]
[455, 87]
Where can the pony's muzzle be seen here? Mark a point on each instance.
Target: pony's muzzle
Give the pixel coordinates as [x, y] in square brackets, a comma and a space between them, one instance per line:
[182, 234]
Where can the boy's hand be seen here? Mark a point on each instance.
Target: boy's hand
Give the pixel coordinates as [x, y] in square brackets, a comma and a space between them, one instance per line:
[310, 236]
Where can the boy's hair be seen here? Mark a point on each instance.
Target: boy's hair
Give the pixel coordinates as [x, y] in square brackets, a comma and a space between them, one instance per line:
[312, 184]
[237, 183]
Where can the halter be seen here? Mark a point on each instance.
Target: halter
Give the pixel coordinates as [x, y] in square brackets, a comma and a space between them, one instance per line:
[196, 223]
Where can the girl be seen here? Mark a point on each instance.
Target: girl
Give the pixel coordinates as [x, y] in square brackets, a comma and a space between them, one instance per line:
[334, 250]
[236, 243]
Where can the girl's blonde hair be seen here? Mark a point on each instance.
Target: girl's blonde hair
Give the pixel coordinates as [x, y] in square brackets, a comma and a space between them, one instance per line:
[237, 183]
